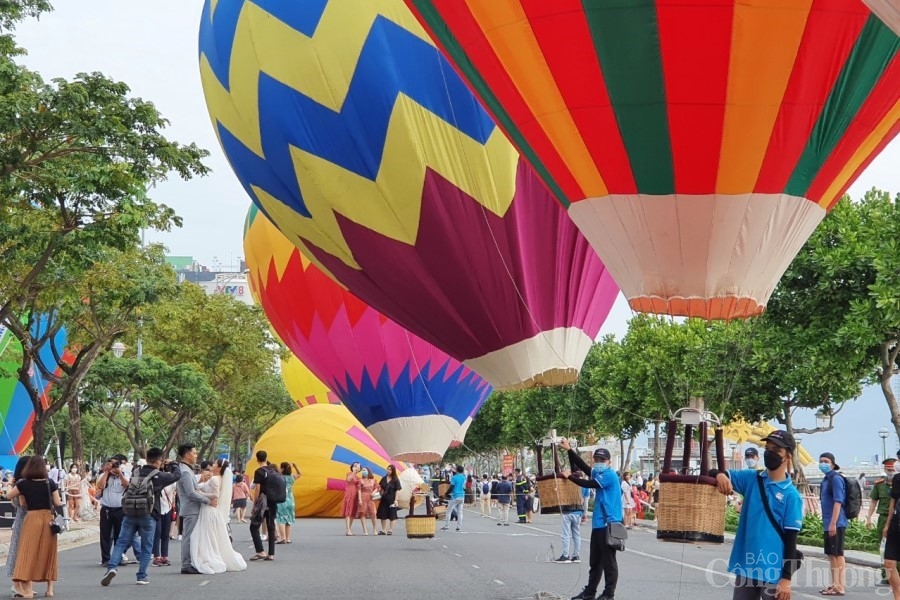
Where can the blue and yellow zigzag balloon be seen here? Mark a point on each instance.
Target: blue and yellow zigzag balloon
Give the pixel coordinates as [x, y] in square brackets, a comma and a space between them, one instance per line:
[321, 66]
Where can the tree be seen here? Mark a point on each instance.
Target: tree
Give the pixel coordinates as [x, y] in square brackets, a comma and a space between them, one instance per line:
[226, 340]
[252, 407]
[145, 399]
[11, 13]
[95, 310]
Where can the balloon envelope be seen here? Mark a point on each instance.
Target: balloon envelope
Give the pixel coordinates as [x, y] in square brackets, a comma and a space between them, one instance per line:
[696, 144]
[304, 387]
[412, 397]
[888, 11]
[352, 132]
[16, 408]
[323, 439]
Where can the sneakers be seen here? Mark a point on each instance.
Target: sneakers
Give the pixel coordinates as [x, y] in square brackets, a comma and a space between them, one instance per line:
[445, 529]
[575, 559]
[499, 523]
[108, 577]
[458, 529]
[164, 562]
[143, 582]
[563, 560]
[584, 595]
[506, 524]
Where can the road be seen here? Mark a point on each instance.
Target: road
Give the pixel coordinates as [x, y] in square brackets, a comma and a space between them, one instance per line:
[482, 562]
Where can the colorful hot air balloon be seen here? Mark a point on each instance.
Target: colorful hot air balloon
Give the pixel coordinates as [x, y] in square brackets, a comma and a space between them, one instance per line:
[888, 11]
[323, 440]
[15, 405]
[696, 144]
[350, 130]
[411, 397]
[304, 387]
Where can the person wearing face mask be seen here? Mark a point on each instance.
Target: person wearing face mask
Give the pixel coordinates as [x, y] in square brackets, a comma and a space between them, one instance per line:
[751, 458]
[72, 485]
[880, 501]
[764, 554]
[834, 497]
[607, 509]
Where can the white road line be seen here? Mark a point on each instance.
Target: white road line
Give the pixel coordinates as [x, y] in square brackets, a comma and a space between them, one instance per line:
[443, 546]
[459, 555]
[498, 582]
[475, 567]
[206, 582]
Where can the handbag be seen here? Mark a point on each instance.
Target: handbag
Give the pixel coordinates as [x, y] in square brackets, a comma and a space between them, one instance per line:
[59, 523]
[765, 502]
[376, 495]
[616, 534]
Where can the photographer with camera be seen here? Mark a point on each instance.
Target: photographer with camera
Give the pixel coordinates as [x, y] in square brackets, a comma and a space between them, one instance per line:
[111, 487]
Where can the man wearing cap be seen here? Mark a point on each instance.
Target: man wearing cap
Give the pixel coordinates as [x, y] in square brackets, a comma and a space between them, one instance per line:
[751, 458]
[834, 519]
[522, 490]
[880, 497]
[607, 509]
[764, 554]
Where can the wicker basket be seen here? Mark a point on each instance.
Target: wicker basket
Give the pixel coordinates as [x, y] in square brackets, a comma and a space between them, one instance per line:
[690, 511]
[420, 526]
[443, 489]
[439, 512]
[558, 493]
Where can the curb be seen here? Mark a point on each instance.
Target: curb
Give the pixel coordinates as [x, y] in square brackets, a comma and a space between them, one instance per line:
[74, 537]
[853, 557]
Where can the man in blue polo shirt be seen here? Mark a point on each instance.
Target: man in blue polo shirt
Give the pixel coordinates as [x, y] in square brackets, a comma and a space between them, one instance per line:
[607, 509]
[834, 521]
[763, 557]
[457, 497]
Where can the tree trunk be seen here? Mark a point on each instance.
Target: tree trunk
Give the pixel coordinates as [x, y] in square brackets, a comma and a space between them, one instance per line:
[799, 476]
[889, 351]
[628, 454]
[621, 455]
[77, 436]
[656, 425]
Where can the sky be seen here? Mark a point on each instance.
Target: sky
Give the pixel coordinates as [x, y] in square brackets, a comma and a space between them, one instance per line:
[152, 46]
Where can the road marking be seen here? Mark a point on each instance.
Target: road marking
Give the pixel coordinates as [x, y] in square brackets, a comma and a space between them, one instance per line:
[475, 567]
[498, 582]
[459, 555]
[202, 583]
[443, 546]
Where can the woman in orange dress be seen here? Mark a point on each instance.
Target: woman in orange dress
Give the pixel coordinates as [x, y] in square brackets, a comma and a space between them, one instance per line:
[37, 556]
[367, 486]
[350, 507]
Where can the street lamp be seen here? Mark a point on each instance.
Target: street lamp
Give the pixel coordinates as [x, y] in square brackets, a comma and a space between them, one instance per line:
[118, 349]
[823, 418]
[734, 457]
[884, 433]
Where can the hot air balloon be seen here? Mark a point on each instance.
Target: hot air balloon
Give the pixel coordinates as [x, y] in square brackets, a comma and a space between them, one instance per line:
[888, 11]
[15, 405]
[304, 387]
[695, 144]
[410, 396]
[323, 439]
[351, 131]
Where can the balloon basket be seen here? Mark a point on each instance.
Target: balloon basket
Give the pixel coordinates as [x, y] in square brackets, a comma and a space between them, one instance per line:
[691, 509]
[557, 494]
[443, 489]
[420, 526]
[439, 512]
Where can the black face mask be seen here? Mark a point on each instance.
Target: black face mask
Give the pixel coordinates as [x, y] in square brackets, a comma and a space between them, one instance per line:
[772, 459]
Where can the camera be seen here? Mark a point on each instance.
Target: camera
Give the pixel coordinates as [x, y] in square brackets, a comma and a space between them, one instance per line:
[116, 464]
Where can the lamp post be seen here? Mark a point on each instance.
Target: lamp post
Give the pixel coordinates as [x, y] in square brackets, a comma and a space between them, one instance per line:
[734, 458]
[118, 349]
[884, 433]
[823, 419]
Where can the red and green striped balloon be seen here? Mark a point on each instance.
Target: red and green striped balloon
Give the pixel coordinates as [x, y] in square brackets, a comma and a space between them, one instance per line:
[695, 143]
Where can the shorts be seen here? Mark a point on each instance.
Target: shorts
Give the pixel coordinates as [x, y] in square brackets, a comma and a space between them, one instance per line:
[892, 543]
[834, 545]
[239, 503]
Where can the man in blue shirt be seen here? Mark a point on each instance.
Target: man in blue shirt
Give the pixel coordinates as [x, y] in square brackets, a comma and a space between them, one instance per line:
[764, 558]
[457, 497]
[607, 509]
[834, 520]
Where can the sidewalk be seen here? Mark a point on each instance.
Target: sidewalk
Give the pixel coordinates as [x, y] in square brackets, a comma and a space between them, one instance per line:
[82, 532]
[854, 557]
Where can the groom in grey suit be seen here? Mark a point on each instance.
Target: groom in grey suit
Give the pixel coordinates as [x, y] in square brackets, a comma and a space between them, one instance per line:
[189, 501]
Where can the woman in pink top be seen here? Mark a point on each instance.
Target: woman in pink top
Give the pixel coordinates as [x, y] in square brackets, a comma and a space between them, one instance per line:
[350, 507]
[239, 493]
[367, 487]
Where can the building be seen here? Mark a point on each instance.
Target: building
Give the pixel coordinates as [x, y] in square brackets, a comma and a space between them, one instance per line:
[221, 279]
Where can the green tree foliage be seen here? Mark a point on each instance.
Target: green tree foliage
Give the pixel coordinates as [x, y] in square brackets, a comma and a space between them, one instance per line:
[254, 405]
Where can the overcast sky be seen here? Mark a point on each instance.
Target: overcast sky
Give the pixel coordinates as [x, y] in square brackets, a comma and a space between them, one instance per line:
[152, 46]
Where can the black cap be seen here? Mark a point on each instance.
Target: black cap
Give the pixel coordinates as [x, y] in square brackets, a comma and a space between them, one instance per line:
[781, 439]
[830, 457]
[751, 452]
[602, 454]
[518, 470]
[889, 461]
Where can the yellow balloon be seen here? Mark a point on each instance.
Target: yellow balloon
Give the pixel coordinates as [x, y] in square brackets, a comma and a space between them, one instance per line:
[304, 387]
[322, 439]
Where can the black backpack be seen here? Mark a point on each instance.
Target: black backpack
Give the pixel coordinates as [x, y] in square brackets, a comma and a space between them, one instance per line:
[276, 487]
[853, 501]
[139, 498]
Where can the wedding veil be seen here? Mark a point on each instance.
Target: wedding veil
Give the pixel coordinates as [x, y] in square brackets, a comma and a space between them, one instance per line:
[224, 506]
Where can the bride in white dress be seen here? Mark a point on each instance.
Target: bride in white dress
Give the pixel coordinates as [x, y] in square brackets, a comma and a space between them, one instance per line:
[211, 550]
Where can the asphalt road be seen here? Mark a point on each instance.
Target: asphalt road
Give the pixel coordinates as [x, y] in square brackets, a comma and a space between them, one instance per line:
[482, 562]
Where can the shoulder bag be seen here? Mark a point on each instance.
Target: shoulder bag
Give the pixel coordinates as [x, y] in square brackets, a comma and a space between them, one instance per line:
[616, 534]
[765, 502]
[59, 523]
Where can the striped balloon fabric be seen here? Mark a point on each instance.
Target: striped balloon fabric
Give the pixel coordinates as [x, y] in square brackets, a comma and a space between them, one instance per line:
[353, 133]
[305, 388]
[695, 143]
[888, 11]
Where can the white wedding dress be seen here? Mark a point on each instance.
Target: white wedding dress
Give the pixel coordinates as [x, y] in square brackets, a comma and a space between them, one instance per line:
[211, 550]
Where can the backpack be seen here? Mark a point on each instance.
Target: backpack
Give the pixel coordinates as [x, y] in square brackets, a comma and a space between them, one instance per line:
[276, 487]
[486, 488]
[139, 498]
[853, 501]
